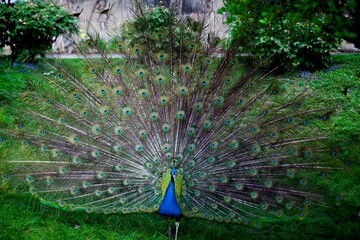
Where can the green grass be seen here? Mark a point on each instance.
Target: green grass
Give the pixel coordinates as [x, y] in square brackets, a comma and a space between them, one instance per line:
[23, 217]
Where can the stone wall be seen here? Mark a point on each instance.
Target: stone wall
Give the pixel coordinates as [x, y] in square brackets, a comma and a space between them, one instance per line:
[105, 16]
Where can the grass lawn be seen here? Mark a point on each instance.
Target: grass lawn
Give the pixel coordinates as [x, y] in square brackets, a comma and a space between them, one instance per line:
[23, 217]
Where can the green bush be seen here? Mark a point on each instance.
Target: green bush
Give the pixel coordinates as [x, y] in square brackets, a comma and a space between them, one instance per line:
[303, 44]
[30, 27]
[289, 33]
[152, 29]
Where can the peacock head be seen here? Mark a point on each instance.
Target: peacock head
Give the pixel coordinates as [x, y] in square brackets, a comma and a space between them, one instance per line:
[173, 172]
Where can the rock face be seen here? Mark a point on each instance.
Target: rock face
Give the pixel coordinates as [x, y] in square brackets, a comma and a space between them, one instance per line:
[105, 16]
[348, 47]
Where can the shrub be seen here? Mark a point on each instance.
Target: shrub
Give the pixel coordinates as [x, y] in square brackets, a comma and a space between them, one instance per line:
[156, 24]
[303, 44]
[294, 33]
[30, 27]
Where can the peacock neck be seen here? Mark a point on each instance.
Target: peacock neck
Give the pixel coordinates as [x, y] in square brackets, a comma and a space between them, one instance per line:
[169, 206]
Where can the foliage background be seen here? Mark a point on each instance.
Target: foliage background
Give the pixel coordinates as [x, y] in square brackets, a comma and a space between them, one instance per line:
[292, 32]
[30, 27]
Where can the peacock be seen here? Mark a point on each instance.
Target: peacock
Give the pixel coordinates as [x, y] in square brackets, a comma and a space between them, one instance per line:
[175, 125]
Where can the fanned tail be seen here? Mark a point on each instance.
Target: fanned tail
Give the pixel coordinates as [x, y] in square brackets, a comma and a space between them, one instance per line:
[104, 137]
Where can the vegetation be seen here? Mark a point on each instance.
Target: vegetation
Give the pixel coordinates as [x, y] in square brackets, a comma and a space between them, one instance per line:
[293, 33]
[159, 23]
[30, 27]
[24, 217]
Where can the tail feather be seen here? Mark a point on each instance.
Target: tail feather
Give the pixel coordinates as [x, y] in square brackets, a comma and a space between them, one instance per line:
[102, 137]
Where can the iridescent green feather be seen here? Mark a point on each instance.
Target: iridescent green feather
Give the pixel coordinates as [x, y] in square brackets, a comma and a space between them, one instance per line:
[165, 181]
[178, 186]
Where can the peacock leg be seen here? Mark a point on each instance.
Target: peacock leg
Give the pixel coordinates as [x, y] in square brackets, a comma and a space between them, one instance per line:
[177, 224]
